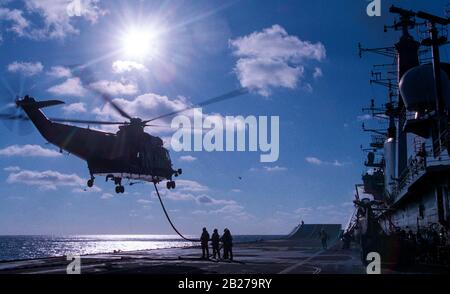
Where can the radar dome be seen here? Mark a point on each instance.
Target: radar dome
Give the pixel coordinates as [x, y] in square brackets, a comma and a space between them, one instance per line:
[418, 90]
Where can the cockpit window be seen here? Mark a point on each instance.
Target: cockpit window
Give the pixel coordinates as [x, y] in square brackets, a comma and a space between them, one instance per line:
[166, 152]
[153, 155]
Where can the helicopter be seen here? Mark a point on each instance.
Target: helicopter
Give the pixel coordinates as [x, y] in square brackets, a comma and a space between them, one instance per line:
[130, 153]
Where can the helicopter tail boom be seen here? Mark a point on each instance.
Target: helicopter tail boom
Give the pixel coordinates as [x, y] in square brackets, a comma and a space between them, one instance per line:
[38, 104]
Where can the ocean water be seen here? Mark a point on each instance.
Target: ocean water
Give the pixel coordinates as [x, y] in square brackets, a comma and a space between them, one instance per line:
[26, 247]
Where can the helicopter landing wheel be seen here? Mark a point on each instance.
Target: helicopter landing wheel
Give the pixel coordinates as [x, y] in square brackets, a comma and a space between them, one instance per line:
[170, 185]
[90, 183]
[120, 189]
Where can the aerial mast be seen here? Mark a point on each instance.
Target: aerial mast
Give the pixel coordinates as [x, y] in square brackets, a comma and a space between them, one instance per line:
[435, 41]
[407, 57]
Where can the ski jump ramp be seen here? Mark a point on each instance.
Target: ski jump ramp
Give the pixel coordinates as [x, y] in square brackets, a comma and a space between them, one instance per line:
[311, 232]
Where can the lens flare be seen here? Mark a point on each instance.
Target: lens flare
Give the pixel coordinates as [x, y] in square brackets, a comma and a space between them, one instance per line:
[140, 43]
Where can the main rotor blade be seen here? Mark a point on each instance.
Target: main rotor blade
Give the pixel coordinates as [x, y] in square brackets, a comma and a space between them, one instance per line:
[86, 77]
[114, 105]
[7, 116]
[229, 95]
[92, 122]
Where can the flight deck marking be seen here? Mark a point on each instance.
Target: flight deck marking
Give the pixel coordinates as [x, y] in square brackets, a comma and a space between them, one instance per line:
[292, 267]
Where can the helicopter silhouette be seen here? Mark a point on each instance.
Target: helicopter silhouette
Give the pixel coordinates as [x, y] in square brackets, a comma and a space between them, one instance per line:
[130, 153]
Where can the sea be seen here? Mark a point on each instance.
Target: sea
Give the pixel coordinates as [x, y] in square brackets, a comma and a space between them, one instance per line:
[39, 246]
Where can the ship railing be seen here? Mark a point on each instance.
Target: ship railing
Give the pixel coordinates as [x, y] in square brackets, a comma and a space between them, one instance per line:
[416, 168]
[439, 143]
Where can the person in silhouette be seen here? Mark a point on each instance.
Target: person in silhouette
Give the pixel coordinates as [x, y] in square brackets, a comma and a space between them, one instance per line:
[303, 223]
[215, 241]
[227, 241]
[204, 239]
[323, 237]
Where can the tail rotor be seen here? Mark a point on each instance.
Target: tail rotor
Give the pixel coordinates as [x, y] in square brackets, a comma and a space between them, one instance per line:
[13, 117]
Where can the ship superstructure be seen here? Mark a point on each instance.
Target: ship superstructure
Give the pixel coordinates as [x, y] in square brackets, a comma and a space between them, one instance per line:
[407, 168]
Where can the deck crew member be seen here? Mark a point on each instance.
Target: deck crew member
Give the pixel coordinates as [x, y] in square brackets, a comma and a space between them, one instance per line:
[227, 241]
[204, 239]
[215, 241]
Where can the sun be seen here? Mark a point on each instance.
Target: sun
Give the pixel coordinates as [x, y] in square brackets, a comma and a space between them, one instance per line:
[140, 43]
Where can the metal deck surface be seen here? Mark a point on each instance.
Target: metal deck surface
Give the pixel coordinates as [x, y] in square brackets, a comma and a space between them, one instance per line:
[277, 256]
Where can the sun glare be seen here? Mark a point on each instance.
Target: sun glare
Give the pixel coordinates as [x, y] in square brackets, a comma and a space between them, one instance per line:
[140, 43]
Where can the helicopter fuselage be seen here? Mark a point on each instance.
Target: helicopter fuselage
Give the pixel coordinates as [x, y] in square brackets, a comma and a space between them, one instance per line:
[130, 153]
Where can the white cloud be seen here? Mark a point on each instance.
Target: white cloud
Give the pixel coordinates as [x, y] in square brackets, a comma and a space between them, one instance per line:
[274, 168]
[45, 180]
[192, 191]
[15, 21]
[187, 158]
[11, 168]
[107, 196]
[338, 163]
[144, 201]
[269, 169]
[263, 74]
[28, 151]
[178, 195]
[145, 106]
[231, 212]
[317, 73]
[303, 210]
[191, 186]
[364, 117]
[273, 58]
[70, 87]
[188, 190]
[114, 88]
[49, 19]
[123, 66]
[236, 190]
[58, 16]
[325, 207]
[78, 107]
[205, 199]
[26, 68]
[275, 43]
[316, 161]
[60, 72]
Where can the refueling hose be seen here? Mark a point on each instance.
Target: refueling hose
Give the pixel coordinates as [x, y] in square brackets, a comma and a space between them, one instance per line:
[168, 218]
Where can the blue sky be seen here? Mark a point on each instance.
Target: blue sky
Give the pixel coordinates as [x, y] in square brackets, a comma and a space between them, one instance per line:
[308, 73]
